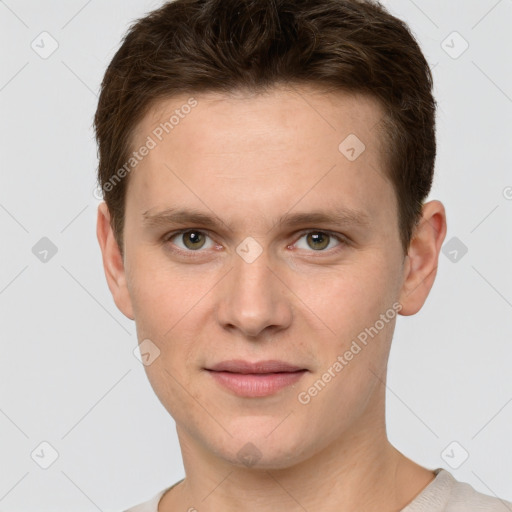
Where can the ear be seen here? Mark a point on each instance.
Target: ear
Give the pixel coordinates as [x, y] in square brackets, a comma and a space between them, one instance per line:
[113, 262]
[420, 267]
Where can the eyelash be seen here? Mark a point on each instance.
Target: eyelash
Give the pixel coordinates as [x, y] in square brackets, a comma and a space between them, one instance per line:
[343, 241]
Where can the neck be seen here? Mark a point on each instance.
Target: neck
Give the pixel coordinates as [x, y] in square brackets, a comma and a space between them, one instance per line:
[360, 470]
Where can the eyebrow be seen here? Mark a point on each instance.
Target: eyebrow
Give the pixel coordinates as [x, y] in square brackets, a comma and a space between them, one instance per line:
[187, 216]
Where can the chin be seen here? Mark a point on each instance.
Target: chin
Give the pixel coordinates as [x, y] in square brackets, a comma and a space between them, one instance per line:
[259, 451]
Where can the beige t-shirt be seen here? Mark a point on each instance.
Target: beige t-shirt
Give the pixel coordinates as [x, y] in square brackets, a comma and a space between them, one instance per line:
[443, 494]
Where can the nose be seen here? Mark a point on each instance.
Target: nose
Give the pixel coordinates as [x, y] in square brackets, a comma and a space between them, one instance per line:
[253, 299]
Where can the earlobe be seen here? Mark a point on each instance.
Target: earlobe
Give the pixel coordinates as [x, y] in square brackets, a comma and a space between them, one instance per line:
[420, 267]
[113, 264]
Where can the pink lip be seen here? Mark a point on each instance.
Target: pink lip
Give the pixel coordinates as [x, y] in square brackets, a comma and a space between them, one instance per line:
[255, 379]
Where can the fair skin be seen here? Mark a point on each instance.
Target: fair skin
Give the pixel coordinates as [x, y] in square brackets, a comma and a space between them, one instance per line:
[247, 161]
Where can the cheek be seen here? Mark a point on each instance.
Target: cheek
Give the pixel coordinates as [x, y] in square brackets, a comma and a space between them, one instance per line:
[165, 301]
[161, 307]
[159, 295]
[366, 319]
[351, 358]
[174, 391]
[352, 297]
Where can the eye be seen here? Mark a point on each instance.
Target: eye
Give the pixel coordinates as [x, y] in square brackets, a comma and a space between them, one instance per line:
[319, 241]
[191, 240]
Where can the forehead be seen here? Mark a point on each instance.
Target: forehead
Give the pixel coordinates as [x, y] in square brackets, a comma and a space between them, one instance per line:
[297, 144]
[279, 111]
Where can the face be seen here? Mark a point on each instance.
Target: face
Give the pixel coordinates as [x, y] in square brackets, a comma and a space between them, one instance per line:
[253, 232]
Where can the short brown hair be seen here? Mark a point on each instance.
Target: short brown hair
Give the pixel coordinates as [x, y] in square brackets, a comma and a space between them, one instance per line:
[192, 46]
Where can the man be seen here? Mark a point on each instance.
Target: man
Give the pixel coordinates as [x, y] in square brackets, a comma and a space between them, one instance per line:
[265, 166]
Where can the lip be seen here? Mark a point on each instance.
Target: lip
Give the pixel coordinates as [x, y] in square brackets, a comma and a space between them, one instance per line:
[244, 367]
[258, 379]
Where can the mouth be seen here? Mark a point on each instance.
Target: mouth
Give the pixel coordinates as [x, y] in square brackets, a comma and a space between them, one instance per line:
[258, 379]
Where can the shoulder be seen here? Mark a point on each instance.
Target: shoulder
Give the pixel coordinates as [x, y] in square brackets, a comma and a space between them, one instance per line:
[152, 504]
[446, 494]
[148, 506]
[463, 495]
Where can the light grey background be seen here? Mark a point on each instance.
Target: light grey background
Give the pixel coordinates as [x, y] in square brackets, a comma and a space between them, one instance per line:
[68, 373]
